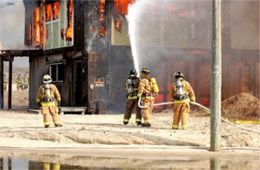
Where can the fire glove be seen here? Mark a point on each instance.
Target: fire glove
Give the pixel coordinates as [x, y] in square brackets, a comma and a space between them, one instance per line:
[193, 99]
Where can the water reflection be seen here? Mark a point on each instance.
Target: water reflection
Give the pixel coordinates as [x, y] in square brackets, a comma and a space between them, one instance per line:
[79, 162]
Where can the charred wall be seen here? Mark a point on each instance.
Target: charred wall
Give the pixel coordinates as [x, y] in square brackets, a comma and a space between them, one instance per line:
[38, 68]
[121, 62]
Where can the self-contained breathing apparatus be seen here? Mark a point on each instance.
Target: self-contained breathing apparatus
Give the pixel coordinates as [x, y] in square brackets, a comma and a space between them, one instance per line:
[131, 90]
[179, 95]
[47, 93]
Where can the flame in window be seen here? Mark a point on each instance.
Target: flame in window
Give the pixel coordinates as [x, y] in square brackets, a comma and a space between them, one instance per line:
[121, 6]
[69, 29]
[30, 33]
[102, 30]
[42, 27]
[56, 10]
[48, 12]
[37, 26]
[102, 6]
[118, 24]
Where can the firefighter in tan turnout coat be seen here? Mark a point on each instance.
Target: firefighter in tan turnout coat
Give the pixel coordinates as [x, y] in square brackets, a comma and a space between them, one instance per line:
[181, 94]
[49, 98]
[147, 90]
[131, 86]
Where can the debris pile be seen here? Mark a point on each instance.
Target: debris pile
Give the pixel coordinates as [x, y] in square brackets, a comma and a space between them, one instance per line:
[241, 107]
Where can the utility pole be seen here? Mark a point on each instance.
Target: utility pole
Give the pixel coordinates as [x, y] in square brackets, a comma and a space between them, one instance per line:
[215, 99]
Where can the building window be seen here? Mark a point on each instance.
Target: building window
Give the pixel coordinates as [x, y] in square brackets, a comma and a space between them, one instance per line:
[55, 25]
[57, 72]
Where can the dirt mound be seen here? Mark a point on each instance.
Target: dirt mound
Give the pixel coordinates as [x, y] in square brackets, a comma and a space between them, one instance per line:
[241, 107]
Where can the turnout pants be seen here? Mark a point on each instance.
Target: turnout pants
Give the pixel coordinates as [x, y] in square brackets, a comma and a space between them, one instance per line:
[180, 113]
[148, 101]
[130, 105]
[53, 111]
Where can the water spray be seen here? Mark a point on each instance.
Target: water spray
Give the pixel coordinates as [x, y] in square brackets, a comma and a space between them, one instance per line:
[133, 19]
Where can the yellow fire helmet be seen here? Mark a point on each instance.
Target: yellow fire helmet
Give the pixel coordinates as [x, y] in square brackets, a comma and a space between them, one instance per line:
[46, 79]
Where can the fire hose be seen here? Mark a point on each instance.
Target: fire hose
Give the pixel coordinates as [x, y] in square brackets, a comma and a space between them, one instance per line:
[197, 104]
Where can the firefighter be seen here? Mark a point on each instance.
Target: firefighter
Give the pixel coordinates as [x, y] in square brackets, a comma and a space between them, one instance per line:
[131, 86]
[47, 166]
[181, 94]
[49, 98]
[5, 82]
[25, 81]
[19, 82]
[147, 90]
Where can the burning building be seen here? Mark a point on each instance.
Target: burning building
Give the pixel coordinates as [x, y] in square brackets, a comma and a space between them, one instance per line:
[84, 45]
[75, 38]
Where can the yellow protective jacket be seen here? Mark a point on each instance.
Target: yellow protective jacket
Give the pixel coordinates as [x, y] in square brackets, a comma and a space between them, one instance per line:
[187, 89]
[145, 88]
[53, 93]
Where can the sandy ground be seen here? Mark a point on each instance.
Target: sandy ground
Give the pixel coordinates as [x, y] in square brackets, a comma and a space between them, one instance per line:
[102, 141]
[26, 129]
[19, 98]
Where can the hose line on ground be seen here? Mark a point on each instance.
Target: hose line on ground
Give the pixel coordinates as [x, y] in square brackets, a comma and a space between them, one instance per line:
[197, 104]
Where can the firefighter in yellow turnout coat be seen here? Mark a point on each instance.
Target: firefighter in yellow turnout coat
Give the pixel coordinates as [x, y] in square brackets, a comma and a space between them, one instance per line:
[49, 97]
[181, 93]
[147, 90]
[131, 86]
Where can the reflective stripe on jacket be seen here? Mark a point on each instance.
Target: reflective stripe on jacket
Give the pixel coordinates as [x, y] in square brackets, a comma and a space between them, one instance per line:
[53, 93]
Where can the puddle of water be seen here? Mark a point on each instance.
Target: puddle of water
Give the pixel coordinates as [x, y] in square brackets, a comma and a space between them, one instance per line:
[78, 162]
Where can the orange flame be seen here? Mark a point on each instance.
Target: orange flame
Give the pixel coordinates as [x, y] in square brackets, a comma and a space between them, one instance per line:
[69, 29]
[56, 10]
[118, 24]
[102, 31]
[30, 32]
[42, 34]
[102, 6]
[42, 27]
[37, 26]
[48, 12]
[121, 6]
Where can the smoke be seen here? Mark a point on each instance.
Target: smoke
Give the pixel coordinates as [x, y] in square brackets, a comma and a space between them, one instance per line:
[12, 24]
[163, 30]
[175, 35]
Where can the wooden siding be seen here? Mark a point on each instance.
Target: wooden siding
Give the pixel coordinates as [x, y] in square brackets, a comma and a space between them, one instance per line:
[37, 69]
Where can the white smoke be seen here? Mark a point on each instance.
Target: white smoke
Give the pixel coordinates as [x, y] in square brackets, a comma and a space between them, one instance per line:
[12, 24]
